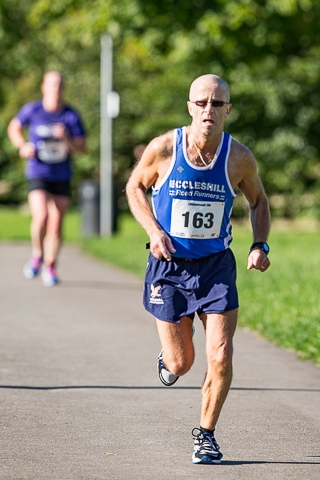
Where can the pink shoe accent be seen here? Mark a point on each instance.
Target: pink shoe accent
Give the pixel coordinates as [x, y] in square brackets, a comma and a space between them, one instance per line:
[36, 262]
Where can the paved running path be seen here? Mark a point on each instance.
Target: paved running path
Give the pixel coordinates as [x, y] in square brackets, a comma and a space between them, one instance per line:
[80, 397]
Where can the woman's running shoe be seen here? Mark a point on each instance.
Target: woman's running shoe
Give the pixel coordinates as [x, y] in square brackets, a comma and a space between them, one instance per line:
[49, 276]
[32, 268]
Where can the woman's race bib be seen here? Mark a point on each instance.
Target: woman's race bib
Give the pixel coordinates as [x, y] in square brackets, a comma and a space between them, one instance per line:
[52, 151]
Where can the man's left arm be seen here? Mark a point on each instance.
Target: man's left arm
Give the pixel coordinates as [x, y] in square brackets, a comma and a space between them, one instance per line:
[252, 188]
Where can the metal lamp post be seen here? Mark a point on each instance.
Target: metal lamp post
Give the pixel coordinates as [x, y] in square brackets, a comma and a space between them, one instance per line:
[110, 106]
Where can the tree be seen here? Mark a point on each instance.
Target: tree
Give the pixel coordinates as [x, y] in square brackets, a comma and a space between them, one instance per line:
[267, 50]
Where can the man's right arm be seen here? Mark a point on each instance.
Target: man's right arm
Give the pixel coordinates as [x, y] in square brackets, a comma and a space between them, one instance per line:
[145, 174]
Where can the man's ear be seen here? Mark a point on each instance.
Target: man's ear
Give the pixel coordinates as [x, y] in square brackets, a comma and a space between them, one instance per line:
[228, 111]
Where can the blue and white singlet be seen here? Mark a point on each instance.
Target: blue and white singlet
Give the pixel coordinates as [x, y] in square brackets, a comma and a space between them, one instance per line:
[194, 204]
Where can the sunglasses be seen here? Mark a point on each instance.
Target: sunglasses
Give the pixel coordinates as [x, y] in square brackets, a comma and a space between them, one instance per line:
[214, 103]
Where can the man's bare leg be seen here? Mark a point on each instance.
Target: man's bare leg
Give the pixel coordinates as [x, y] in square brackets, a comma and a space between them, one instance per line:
[177, 345]
[220, 329]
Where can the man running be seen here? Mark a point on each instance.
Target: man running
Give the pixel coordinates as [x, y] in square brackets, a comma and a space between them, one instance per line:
[194, 172]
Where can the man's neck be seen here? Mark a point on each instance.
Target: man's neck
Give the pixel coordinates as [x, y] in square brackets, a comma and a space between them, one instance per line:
[206, 143]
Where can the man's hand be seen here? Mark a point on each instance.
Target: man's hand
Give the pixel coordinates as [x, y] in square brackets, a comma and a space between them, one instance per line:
[258, 259]
[161, 245]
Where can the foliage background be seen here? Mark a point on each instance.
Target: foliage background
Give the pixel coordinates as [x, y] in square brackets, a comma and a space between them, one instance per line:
[267, 50]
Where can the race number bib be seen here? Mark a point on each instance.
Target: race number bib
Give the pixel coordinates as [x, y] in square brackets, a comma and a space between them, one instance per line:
[192, 219]
[52, 151]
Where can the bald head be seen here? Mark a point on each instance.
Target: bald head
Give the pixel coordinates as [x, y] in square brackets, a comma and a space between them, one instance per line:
[205, 83]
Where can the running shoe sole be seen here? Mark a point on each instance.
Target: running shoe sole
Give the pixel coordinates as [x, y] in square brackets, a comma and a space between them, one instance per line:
[205, 460]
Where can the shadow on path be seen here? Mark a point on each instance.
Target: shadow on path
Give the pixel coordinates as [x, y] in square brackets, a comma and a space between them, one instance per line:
[145, 387]
[260, 462]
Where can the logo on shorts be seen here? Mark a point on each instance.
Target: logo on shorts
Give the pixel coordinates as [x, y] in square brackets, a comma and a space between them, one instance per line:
[155, 296]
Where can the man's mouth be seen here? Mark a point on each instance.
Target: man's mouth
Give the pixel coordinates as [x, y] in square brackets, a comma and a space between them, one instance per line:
[208, 121]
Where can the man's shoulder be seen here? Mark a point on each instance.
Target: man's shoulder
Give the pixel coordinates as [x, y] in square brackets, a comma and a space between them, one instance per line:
[165, 137]
[240, 152]
[163, 144]
[242, 162]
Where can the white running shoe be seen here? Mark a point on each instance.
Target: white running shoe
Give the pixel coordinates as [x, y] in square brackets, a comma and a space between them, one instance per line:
[206, 450]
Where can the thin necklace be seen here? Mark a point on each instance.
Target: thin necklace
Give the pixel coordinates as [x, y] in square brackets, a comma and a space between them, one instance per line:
[213, 161]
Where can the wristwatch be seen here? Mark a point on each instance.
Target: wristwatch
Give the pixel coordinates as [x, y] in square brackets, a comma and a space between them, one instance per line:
[262, 245]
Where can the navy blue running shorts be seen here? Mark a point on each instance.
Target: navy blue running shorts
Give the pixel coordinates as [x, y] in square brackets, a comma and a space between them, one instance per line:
[183, 287]
[62, 187]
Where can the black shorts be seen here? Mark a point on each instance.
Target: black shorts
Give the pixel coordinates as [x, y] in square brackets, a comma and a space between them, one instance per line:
[62, 187]
[182, 287]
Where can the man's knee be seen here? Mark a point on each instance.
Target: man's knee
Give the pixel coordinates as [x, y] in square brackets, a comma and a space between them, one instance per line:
[179, 365]
[221, 358]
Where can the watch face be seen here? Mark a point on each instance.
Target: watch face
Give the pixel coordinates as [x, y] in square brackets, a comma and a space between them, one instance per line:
[266, 247]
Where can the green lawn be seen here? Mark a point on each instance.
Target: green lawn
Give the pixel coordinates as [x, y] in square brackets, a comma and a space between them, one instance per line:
[281, 304]
[15, 225]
